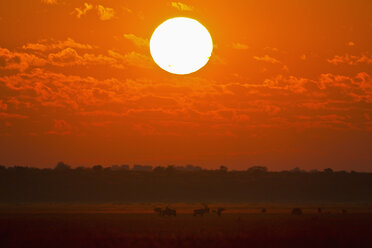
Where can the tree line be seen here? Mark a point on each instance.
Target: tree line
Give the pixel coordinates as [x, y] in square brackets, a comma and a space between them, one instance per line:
[180, 184]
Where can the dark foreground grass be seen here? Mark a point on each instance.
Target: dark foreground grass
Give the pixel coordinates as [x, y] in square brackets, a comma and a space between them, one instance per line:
[148, 230]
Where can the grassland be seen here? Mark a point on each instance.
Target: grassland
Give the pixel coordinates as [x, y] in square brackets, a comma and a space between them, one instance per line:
[134, 225]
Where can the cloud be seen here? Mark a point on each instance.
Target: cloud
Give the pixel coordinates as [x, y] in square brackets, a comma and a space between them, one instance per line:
[133, 59]
[138, 41]
[105, 13]
[267, 58]
[49, 1]
[60, 127]
[12, 116]
[70, 57]
[18, 61]
[350, 43]
[240, 46]
[351, 59]
[83, 11]
[46, 45]
[3, 106]
[67, 56]
[182, 6]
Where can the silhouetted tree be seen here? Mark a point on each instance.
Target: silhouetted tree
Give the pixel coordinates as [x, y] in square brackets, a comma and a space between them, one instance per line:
[97, 168]
[61, 166]
[257, 169]
[159, 169]
[328, 171]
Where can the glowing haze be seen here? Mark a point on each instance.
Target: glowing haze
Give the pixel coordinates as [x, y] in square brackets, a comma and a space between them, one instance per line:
[289, 84]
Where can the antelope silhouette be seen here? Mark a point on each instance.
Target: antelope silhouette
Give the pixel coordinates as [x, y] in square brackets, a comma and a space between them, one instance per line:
[159, 211]
[169, 212]
[201, 211]
[219, 211]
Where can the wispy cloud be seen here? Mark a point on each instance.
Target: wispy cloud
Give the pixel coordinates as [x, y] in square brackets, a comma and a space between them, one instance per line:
[351, 59]
[240, 46]
[138, 41]
[267, 58]
[49, 1]
[46, 45]
[182, 6]
[79, 12]
[105, 13]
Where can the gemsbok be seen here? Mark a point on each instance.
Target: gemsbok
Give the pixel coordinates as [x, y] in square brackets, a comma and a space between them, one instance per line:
[169, 212]
[220, 210]
[159, 211]
[201, 211]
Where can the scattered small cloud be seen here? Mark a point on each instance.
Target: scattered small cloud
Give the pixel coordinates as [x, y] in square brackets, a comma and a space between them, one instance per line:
[46, 45]
[267, 58]
[49, 1]
[105, 13]
[273, 49]
[79, 12]
[182, 6]
[240, 46]
[138, 41]
[133, 59]
[303, 57]
[3, 106]
[351, 59]
[350, 43]
[60, 127]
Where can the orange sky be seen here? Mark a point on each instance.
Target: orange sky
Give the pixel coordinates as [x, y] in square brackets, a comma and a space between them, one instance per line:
[289, 84]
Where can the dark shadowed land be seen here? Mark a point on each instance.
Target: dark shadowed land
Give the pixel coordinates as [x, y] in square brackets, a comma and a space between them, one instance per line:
[186, 184]
[148, 230]
[114, 207]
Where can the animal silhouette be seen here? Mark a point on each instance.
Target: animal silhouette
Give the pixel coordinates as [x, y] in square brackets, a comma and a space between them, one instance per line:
[201, 211]
[169, 212]
[263, 210]
[219, 211]
[159, 211]
[319, 210]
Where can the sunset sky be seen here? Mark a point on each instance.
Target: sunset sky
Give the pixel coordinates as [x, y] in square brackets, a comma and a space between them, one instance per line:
[289, 84]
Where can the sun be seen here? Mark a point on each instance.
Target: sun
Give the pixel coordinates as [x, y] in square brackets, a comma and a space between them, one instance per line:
[181, 45]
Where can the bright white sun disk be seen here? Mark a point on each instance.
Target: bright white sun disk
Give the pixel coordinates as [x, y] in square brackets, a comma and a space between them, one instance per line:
[181, 45]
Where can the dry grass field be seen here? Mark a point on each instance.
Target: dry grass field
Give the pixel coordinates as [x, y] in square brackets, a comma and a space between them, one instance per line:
[66, 225]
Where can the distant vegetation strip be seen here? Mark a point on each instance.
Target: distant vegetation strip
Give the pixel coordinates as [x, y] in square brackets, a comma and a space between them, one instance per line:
[180, 184]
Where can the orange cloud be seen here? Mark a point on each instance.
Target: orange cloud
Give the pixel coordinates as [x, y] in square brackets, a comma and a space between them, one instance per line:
[351, 59]
[138, 41]
[49, 1]
[61, 127]
[79, 12]
[46, 45]
[181, 6]
[105, 13]
[267, 58]
[133, 59]
[18, 61]
[240, 46]
[3, 106]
